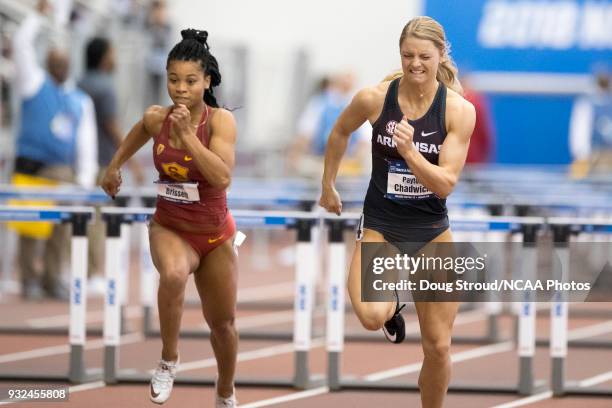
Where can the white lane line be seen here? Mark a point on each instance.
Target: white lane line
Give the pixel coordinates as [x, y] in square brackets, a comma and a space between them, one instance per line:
[247, 355]
[286, 398]
[266, 292]
[262, 319]
[455, 358]
[63, 349]
[131, 312]
[265, 319]
[526, 401]
[590, 331]
[583, 332]
[598, 379]
[86, 387]
[266, 352]
[458, 357]
[40, 352]
[242, 322]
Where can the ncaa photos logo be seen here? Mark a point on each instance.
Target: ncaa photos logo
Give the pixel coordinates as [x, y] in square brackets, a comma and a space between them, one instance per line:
[390, 128]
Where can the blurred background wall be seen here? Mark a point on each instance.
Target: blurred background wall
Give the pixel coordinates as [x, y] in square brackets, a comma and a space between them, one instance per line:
[529, 58]
[532, 58]
[289, 44]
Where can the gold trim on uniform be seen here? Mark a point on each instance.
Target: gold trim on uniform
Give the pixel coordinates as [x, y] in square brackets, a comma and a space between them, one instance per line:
[176, 171]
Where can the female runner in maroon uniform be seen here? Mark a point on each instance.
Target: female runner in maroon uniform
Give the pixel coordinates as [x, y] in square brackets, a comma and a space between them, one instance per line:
[192, 230]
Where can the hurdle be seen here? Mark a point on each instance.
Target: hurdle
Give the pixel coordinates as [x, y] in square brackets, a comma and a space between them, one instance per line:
[62, 193]
[148, 289]
[78, 217]
[526, 383]
[302, 222]
[289, 194]
[564, 229]
[492, 309]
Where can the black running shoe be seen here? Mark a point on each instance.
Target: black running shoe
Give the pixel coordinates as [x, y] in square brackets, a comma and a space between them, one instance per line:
[395, 328]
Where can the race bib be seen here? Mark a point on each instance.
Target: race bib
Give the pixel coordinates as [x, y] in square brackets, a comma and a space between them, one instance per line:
[185, 193]
[403, 185]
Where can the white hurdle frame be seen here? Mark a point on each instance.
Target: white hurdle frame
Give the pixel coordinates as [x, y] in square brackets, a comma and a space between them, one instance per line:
[77, 373]
[563, 230]
[526, 385]
[303, 307]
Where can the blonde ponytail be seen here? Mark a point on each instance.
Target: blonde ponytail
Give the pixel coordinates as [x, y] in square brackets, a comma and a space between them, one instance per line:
[447, 74]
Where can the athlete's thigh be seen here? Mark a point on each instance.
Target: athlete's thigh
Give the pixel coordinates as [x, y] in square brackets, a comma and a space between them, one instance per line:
[446, 236]
[369, 236]
[171, 252]
[358, 282]
[436, 318]
[217, 281]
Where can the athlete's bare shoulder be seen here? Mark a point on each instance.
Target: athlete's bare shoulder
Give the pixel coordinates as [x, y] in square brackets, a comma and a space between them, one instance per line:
[222, 115]
[369, 100]
[456, 103]
[458, 110]
[373, 94]
[223, 119]
[153, 118]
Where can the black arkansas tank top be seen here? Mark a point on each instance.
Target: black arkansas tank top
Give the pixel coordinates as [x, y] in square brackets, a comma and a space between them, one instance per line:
[394, 193]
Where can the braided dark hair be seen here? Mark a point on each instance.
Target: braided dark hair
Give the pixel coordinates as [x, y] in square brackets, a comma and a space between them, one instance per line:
[194, 47]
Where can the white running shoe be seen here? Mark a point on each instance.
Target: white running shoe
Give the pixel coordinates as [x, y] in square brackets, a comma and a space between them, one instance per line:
[229, 402]
[162, 381]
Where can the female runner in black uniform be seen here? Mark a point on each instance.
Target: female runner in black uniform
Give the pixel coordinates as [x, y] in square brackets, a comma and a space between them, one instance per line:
[421, 132]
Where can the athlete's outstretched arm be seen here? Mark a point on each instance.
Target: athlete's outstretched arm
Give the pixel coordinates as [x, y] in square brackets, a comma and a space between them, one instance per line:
[355, 114]
[136, 138]
[440, 179]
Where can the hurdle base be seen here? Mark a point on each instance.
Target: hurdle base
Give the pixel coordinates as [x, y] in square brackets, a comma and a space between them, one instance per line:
[572, 389]
[250, 304]
[348, 383]
[130, 377]
[91, 374]
[46, 331]
[594, 343]
[244, 334]
[378, 337]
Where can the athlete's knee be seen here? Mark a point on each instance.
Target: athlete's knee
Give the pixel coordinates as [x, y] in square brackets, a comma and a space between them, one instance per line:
[173, 277]
[372, 320]
[437, 349]
[223, 327]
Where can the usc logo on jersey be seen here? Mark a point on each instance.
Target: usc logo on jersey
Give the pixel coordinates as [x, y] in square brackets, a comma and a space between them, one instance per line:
[176, 171]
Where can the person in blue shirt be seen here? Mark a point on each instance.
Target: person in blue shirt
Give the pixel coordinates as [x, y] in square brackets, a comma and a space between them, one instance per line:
[590, 130]
[56, 143]
[305, 155]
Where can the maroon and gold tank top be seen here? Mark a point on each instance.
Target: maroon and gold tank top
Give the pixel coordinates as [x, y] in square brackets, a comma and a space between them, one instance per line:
[187, 197]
